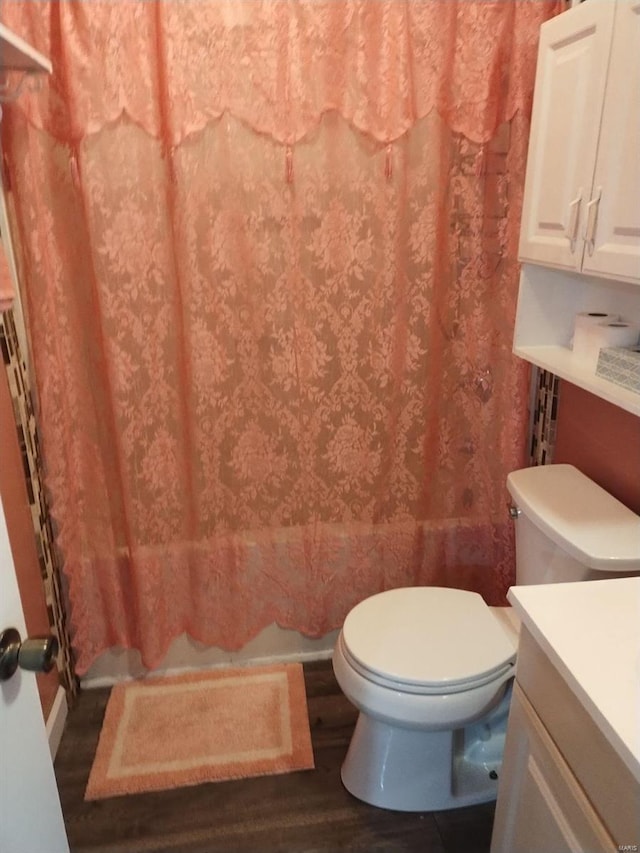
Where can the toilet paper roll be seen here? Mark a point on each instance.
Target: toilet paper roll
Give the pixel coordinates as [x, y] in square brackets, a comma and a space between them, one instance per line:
[584, 321]
[613, 334]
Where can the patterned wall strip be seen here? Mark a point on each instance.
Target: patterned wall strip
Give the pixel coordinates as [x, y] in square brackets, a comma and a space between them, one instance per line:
[545, 416]
[28, 438]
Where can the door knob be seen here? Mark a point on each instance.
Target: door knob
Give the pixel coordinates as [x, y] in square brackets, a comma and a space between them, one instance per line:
[37, 654]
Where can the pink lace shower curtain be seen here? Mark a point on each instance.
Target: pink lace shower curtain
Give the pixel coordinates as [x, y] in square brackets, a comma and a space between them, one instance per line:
[268, 251]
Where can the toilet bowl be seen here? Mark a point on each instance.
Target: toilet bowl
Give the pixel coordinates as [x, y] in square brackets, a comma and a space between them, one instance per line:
[430, 669]
[422, 665]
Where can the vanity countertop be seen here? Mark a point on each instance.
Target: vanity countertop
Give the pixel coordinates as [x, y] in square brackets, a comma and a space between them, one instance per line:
[591, 633]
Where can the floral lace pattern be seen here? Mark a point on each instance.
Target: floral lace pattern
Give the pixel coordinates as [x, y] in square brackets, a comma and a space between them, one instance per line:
[273, 379]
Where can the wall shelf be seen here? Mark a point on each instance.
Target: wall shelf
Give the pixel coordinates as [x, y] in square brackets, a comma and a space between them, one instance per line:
[548, 302]
[561, 361]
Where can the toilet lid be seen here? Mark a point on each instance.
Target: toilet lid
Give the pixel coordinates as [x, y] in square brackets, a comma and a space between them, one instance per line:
[427, 636]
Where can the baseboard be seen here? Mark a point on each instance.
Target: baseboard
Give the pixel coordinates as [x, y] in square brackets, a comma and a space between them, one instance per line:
[266, 660]
[56, 720]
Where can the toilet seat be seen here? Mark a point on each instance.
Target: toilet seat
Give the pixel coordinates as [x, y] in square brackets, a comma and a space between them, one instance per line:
[420, 689]
[426, 640]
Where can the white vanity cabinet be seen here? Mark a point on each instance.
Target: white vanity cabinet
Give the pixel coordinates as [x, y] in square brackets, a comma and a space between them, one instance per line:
[570, 777]
[542, 807]
[581, 208]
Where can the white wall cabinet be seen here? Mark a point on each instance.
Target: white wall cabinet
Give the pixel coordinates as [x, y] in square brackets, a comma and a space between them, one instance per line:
[581, 206]
[580, 232]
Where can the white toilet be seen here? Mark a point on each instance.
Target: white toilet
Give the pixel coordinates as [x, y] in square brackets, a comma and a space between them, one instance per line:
[430, 669]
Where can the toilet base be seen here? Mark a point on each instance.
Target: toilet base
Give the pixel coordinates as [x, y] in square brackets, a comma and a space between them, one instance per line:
[416, 771]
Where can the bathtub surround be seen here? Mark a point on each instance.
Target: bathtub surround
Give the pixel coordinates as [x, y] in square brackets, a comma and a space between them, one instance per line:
[272, 645]
[268, 254]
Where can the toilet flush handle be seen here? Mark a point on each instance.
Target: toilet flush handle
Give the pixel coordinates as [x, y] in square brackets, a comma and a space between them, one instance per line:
[514, 512]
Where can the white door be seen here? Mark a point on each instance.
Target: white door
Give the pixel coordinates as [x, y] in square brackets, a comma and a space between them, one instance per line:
[614, 249]
[570, 82]
[30, 814]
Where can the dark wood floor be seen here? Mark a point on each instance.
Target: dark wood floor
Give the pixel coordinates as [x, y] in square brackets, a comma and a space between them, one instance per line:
[303, 812]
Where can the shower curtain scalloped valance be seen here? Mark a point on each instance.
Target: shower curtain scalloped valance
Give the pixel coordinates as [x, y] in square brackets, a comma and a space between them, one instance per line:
[280, 65]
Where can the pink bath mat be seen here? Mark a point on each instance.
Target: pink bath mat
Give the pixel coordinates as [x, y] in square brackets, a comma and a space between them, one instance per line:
[163, 733]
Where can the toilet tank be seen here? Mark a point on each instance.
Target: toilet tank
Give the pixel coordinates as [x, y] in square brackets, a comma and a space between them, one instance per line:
[570, 529]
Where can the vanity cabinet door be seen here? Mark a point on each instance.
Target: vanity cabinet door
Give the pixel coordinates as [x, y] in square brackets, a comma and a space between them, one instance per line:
[612, 216]
[541, 806]
[570, 83]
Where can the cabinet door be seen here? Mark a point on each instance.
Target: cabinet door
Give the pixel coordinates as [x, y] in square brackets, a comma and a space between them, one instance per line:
[570, 83]
[612, 218]
[541, 806]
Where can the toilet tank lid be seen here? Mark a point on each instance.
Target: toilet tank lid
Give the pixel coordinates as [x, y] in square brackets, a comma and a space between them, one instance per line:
[579, 516]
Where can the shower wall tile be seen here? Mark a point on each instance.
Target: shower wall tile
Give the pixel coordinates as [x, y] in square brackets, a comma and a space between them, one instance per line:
[544, 421]
[29, 444]
[17, 514]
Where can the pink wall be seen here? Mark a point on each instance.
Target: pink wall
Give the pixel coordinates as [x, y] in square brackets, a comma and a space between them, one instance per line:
[22, 536]
[602, 440]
